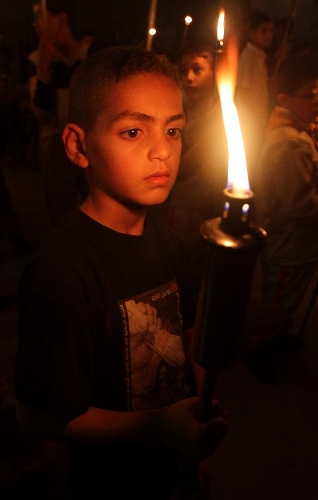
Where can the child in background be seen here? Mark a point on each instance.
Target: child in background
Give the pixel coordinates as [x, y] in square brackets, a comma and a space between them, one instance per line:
[252, 87]
[106, 310]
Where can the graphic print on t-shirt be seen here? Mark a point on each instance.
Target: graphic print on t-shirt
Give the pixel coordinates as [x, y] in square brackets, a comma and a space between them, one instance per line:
[154, 352]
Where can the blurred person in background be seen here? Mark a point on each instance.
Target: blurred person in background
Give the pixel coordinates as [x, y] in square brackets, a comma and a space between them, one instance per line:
[252, 86]
[286, 206]
[58, 55]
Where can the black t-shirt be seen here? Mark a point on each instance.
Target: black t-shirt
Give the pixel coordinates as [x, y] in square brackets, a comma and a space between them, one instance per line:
[100, 324]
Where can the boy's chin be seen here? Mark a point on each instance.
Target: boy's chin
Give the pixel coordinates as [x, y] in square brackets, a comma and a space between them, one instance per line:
[159, 197]
[155, 203]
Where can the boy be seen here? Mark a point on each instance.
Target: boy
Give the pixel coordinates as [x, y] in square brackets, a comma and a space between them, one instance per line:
[286, 196]
[103, 363]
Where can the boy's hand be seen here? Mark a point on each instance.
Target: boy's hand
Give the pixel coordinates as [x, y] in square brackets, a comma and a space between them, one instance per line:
[194, 440]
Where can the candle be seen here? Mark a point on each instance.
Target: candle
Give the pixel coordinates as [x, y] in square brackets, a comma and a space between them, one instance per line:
[187, 21]
[220, 44]
[238, 195]
[226, 79]
[220, 28]
[233, 244]
[151, 23]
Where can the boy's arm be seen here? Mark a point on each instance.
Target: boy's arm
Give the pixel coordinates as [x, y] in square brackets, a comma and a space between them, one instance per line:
[175, 426]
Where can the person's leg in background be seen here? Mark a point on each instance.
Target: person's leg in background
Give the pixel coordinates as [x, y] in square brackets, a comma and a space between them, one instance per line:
[269, 327]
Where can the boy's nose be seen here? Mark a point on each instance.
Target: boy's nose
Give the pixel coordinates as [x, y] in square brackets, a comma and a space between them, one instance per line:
[188, 76]
[160, 148]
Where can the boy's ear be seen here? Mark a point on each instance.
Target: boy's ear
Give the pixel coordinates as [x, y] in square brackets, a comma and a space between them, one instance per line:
[75, 146]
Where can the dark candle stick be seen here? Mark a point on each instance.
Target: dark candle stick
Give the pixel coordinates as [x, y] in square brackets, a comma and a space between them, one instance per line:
[233, 243]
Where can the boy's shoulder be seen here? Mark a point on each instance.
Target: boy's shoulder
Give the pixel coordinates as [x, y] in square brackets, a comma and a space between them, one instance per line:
[81, 254]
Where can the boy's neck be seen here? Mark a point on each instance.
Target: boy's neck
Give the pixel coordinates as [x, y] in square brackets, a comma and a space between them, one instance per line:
[257, 46]
[117, 217]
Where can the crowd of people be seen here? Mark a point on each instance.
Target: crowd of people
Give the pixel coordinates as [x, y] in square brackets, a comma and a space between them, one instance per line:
[133, 155]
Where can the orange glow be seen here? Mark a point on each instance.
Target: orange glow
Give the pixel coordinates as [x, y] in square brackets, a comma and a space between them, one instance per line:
[220, 27]
[226, 71]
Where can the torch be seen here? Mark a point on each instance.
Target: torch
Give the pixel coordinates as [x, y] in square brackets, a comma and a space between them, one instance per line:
[151, 23]
[220, 31]
[187, 21]
[219, 42]
[233, 242]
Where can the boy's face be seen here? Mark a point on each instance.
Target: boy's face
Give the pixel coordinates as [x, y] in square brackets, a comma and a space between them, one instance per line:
[263, 36]
[133, 149]
[304, 102]
[197, 76]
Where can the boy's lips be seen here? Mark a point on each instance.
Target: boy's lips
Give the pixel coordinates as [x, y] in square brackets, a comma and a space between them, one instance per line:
[158, 178]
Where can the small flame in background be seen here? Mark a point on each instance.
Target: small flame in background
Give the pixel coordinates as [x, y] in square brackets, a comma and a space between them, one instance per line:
[226, 71]
[220, 27]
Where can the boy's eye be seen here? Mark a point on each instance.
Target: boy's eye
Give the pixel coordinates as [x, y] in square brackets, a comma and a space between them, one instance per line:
[132, 133]
[174, 132]
[197, 70]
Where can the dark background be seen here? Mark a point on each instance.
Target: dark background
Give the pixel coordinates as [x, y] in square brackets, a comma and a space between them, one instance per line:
[121, 21]
[126, 21]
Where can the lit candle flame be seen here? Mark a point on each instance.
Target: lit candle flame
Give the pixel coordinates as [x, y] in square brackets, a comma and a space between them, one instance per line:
[226, 72]
[188, 20]
[220, 27]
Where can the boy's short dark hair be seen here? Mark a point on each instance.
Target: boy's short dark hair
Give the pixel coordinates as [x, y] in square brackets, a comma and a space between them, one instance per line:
[294, 72]
[197, 47]
[91, 82]
[257, 18]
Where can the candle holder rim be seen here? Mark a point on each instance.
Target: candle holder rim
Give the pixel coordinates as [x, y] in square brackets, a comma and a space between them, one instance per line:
[213, 233]
[246, 196]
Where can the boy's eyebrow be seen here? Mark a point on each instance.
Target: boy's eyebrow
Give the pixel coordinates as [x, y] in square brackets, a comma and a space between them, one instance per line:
[173, 118]
[143, 117]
